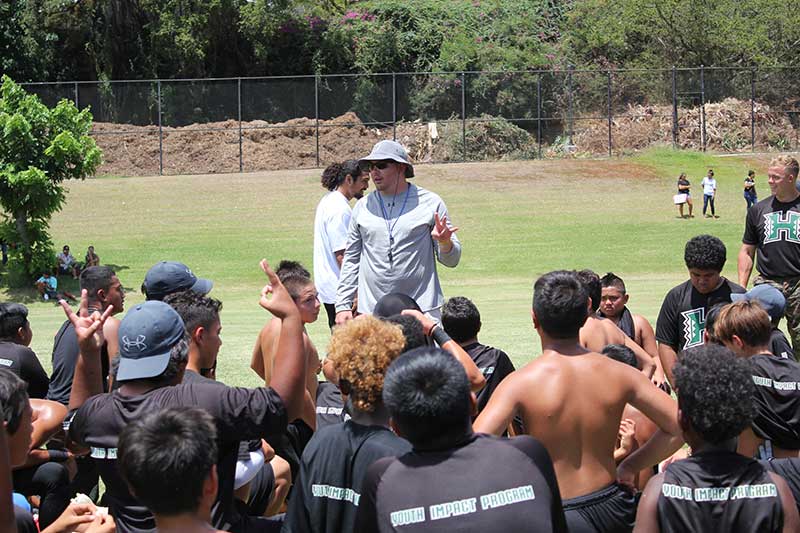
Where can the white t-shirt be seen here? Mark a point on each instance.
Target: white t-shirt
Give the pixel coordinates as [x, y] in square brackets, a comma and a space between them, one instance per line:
[330, 235]
[709, 185]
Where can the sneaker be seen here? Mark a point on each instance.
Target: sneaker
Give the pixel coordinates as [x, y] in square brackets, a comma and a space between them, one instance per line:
[716, 216]
[46, 297]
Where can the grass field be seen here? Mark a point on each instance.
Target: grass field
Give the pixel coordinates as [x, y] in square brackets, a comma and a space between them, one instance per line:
[518, 220]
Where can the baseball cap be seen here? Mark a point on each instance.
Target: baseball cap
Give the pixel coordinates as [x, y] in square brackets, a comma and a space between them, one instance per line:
[394, 303]
[770, 298]
[146, 335]
[167, 277]
[390, 150]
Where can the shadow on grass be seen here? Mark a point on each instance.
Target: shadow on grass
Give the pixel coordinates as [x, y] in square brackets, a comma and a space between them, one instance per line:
[27, 294]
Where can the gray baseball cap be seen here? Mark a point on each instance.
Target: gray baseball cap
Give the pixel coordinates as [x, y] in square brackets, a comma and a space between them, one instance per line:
[770, 298]
[167, 277]
[390, 150]
[146, 335]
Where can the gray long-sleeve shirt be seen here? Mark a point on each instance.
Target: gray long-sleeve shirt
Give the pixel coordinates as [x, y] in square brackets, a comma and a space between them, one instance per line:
[412, 269]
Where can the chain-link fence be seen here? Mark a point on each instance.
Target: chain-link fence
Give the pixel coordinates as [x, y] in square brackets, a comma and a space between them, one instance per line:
[249, 124]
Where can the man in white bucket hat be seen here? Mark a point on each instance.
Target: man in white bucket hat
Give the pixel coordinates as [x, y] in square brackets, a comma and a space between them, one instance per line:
[396, 235]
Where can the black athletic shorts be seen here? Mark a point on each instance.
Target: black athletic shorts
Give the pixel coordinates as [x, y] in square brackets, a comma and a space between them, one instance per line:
[290, 445]
[608, 510]
[261, 487]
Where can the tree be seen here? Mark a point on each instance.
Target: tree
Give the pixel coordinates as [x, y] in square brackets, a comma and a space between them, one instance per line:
[39, 149]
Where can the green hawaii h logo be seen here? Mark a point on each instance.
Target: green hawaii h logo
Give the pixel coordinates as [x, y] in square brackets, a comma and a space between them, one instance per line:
[780, 226]
[694, 324]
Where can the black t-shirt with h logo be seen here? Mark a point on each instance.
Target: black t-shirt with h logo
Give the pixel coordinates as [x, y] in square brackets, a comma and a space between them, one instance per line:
[682, 319]
[774, 227]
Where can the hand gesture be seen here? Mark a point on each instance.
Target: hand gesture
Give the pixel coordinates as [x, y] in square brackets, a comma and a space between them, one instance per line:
[342, 317]
[442, 232]
[88, 328]
[281, 303]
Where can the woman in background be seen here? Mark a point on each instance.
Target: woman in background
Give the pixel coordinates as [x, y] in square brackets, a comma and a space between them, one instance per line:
[683, 188]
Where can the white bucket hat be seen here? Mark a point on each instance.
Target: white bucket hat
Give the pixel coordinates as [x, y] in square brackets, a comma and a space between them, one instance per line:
[390, 150]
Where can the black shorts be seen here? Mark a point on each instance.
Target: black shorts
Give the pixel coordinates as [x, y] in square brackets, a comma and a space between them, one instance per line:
[290, 445]
[261, 487]
[608, 510]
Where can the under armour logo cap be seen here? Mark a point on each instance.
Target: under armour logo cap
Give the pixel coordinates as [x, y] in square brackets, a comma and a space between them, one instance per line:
[146, 335]
[393, 150]
[167, 277]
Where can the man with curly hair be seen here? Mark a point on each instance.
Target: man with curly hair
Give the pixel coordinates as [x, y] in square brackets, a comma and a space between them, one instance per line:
[715, 489]
[326, 495]
[344, 181]
[744, 327]
[682, 320]
[772, 229]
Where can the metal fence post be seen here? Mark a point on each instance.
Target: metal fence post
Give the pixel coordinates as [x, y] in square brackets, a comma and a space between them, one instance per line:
[394, 106]
[464, 114]
[316, 112]
[609, 113]
[702, 107]
[239, 105]
[76, 94]
[160, 135]
[539, 113]
[674, 108]
[752, 110]
[569, 105]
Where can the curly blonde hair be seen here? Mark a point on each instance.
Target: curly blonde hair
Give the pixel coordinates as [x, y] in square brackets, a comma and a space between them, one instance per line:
[361, 351]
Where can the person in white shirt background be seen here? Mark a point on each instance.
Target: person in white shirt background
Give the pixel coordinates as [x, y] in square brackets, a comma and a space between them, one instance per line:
[709, 193]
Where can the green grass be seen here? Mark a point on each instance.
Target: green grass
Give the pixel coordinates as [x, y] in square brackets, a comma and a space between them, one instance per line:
[517, 219]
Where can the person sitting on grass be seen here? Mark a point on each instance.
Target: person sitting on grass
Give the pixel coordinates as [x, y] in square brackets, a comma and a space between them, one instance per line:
[744, 328]
[168, 459]
[92, 259]
[67, 263]
[715, 489]
[15, 354]
[47, 287]
[336, 459]
[579, 400]
[17, 417]
[462, 321]
[454, 479]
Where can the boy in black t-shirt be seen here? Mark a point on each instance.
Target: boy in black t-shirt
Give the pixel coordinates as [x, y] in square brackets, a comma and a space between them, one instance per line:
[744, 327]
[168, 459]
[15, 337]
[715, 489]
[462, 321]
[774, 303]
[454, 479]
[682, 318]
[326, 495]
[772, 228]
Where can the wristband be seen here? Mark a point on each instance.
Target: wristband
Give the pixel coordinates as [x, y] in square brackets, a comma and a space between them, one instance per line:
[59, 456]
[440, 335]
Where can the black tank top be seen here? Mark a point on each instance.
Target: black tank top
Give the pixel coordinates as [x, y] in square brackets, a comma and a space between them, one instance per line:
[719, 491]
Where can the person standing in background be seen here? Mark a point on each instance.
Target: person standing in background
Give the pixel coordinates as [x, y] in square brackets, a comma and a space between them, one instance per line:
[750, 189]
[709, 193]
[684, 187]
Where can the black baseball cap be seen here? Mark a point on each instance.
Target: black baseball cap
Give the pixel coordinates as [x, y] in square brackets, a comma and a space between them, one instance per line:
[167, 277]
[146, 335]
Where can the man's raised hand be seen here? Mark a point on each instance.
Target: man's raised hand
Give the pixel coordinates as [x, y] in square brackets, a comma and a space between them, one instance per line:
[88, 327]
[442, 232]
[281, 303]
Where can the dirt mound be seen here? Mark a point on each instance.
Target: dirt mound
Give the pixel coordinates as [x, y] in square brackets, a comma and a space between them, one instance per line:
[727, 128]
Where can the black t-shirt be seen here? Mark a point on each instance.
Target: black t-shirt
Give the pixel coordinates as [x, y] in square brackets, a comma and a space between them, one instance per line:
[23, 362]
[683, 182]
[749, 184]
[326, 495]
[774, 227]
[777, 400]
[789, 469]
[494, 364]
[779, 345]
[330, 405]
[682, 319]
[65, 357]
[485, 484]
[719, 491]
[239, 414]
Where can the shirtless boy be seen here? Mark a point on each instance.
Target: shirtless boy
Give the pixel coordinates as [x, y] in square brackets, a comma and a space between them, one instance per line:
[577, 409]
